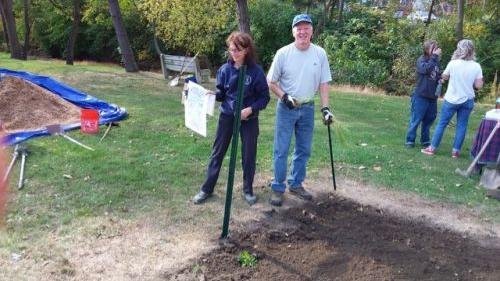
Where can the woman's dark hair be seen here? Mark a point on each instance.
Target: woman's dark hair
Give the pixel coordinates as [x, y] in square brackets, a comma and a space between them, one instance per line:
[242, 40]
[429, 45]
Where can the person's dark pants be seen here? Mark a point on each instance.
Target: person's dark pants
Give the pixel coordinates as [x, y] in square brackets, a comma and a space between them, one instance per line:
[249, 132]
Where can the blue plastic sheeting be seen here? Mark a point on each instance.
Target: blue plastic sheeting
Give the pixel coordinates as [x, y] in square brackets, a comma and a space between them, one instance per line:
[107, 112]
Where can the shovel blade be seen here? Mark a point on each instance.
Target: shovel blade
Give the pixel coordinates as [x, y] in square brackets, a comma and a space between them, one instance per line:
[174, 82]
[462, 173]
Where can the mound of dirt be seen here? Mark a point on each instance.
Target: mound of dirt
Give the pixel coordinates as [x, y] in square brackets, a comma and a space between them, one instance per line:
[25, 106]
[339, 239]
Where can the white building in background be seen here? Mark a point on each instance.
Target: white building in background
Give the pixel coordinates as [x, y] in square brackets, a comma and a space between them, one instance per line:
[420, 10]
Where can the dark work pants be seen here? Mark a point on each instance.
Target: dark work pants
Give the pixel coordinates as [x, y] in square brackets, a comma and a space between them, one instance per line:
[249, 132]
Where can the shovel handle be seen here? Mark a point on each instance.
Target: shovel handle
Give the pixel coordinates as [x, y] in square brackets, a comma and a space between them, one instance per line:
[331, 157]
[481, 151]
[77, 142]
[9, 168]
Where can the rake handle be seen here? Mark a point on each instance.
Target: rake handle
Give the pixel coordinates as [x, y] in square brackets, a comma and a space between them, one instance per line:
[331, 157]
[481, 151]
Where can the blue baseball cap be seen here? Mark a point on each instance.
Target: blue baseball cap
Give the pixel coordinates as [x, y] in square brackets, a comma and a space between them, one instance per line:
[301, 18]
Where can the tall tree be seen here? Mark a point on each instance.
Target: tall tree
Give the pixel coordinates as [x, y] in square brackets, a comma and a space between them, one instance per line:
[70, 47]
[327, 7]
[243, 19]
[459, 30]
[121, 35]
[4, 26]
[16, 51]
[27, 26]
[341, 10]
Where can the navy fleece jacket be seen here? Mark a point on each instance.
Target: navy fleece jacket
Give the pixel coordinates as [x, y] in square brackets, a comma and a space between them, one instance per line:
[256, 90]
[427, 76]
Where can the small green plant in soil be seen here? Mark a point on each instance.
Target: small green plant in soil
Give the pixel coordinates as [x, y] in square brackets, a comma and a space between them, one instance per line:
[246, 259]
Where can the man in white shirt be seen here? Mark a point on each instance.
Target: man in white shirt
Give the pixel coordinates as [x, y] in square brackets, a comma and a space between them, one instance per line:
[297, 72]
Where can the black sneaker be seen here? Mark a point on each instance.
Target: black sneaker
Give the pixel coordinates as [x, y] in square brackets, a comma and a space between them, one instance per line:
[249, 198]
[276, 198]
[301, 193]
[200, 197]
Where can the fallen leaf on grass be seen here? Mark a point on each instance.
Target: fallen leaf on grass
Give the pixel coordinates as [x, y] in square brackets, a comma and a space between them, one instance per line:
[362, 167]
[66, 176]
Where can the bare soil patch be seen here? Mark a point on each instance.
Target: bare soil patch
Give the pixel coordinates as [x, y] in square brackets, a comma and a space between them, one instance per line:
[26, 106]
[335, 237]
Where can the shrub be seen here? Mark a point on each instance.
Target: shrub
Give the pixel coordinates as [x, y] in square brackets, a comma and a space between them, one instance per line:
[271, 27]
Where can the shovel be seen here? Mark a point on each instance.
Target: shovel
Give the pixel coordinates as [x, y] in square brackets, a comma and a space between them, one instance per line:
[15, 154]
[57, 130]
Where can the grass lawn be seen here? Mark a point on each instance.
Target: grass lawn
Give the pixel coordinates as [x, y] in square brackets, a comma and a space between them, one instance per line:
[152, 161]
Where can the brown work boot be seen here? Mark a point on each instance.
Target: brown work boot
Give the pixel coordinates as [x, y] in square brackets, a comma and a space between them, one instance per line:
[276, 198]
[301, 193]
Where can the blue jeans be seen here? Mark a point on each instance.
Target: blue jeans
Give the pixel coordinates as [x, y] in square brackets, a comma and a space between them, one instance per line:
[289, 121]
[423, 110]
[447, 111]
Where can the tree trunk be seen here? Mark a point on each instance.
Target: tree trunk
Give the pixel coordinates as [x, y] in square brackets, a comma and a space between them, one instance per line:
[4, 27]
[459, 30]
[16, 51]
[121, 35]
[27, 27]
[70, 47]
[325, 18]
[243, 19]
[341, 10]
[429, 14]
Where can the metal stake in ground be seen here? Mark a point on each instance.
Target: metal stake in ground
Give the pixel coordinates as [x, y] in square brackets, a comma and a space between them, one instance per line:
[331, 157]
[234, 148]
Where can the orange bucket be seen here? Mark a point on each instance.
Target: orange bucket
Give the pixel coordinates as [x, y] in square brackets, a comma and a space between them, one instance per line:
[89, 121]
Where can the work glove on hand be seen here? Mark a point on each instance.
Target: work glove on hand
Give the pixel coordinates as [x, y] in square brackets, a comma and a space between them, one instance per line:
[327, 116]
[289, 101]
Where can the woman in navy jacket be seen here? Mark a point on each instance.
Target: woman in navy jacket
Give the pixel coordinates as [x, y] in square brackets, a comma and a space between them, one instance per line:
[255, 98]
[424, 99]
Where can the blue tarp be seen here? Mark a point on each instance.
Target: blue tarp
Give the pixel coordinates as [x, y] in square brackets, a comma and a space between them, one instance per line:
[108, 112]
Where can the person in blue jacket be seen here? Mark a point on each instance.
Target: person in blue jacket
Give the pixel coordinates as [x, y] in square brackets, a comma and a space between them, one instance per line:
[424, 99]
[241, 51]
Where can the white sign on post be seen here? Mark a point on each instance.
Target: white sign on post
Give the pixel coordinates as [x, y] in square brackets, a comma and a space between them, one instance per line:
[196, 107]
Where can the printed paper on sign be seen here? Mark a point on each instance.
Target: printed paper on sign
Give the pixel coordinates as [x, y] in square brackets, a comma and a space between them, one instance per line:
[209, 104]
[195, 115]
